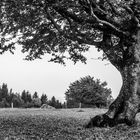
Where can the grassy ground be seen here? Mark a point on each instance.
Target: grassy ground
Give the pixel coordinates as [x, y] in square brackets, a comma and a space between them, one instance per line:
[63, 124]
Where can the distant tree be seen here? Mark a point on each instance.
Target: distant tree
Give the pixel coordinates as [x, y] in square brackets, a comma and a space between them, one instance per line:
[29, 97]
[58, 104]
[7, 98]
[3, 92]
[4, 103]
[29, 104]
[10, 97]
[4, 96]
[64, 105]
[36, 102]
[88, 91]
[0, 94]
[35, 95]
[44, 99]
[17, 101]
[52, 102]
[24, 96]
[55, 103]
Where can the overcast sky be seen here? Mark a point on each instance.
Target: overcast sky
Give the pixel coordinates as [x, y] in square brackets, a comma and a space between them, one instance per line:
[51, 78]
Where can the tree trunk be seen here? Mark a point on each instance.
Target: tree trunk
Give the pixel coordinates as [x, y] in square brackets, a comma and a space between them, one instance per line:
[126, 105]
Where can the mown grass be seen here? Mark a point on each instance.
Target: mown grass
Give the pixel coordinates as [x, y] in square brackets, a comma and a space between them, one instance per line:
[63, 124]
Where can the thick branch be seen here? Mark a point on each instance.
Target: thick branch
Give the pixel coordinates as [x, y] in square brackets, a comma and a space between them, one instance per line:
[76, 36]
[105, 23]
[94, 21]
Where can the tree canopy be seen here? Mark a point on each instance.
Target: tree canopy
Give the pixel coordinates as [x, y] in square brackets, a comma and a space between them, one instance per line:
[65, 28]
[87, 90]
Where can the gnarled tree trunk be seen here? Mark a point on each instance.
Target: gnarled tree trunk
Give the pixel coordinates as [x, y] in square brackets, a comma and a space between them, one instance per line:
[126, 105]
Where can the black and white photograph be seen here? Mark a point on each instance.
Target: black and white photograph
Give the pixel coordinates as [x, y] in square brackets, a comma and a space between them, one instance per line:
[69, 69]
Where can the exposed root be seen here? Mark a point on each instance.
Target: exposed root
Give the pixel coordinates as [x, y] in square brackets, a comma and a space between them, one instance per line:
[104, 121]
[100, 121]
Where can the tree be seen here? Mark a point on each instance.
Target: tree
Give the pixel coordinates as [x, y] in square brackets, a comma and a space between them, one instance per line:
[4, 103]
[26, 97]
[52, 102]
[88, 91]
[4, 96]
[36, 102]
[10, 96]
[4, 92]
[43, 99]
[62, 27]
[35, 95]
[55, 103]
[64, 105]
[29, 98]
[17, 101]
[70, 103]
[58, 104]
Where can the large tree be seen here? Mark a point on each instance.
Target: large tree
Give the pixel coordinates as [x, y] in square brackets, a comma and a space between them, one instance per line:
[65, 28]
[87, 90]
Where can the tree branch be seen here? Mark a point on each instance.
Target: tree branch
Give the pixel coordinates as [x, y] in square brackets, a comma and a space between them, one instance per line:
[105, 23]
[72, 36]
[94, 21]
[52, 20]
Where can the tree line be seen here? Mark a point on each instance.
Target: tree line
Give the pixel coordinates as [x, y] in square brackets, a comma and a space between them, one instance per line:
[85, 92]
[25, 100]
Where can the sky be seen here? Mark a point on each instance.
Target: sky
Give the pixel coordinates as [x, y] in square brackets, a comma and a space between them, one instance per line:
[53, 79]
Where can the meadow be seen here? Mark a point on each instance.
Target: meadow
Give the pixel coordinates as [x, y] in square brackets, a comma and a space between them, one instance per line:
[60, 124]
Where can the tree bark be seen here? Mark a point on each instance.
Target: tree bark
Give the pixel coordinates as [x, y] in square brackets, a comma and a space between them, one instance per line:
[126, 105]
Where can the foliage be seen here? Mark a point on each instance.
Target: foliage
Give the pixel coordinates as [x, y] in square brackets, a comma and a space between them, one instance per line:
[17, 101]
[52, 102]
[35, 95]
[4, 96]
[88, 91]
[72, 103]
[3, 92]
[26, 96]
[24, 100]
[65, 28]
[4, 103]
[44, 99]
[55, 103]
[36, 102]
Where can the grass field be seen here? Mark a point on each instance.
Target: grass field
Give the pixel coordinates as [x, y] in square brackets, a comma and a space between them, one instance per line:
[59, 124]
